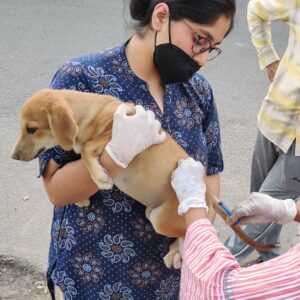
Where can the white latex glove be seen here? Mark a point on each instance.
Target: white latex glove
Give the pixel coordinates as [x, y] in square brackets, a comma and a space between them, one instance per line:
[133, 134]
[188, 183]
[261, 209]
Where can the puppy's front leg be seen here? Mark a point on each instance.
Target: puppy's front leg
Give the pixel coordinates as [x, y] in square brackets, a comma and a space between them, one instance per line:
[90, 155]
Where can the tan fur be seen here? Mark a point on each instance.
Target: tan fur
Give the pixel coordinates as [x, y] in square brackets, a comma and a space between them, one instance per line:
[83, 121]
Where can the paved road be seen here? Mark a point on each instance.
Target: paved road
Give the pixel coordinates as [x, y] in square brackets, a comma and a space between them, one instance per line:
[38, 36]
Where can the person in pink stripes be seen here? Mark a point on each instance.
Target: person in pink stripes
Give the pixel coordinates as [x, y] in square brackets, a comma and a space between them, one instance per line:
[209, 270]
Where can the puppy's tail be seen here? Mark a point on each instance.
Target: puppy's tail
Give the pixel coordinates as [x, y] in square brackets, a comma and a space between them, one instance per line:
[236, 228]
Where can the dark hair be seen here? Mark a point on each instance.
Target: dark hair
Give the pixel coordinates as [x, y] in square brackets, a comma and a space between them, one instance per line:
[198, 11]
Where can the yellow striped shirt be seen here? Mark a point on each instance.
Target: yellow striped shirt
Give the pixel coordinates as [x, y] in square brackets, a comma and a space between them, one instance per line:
[279, 116]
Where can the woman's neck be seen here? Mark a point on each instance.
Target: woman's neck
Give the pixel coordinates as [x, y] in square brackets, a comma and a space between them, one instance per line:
[139, 52]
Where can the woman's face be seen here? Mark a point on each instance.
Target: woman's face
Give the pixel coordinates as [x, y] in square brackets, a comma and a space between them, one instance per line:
[185, 34]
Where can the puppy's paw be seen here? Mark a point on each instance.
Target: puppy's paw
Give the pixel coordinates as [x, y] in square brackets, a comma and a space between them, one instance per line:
[173, 260]
[103, 181]
[173, 257]
[148, 212]
[107, 184]
[177, 261]
[84, 203]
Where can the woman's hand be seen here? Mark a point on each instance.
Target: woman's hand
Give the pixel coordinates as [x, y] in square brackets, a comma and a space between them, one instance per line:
[271, 69]
[133, 134]
[261, 209]
[188, 183]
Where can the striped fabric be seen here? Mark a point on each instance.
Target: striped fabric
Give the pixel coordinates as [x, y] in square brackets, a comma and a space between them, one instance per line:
[206, 262]
[279, 116]
[210, 271]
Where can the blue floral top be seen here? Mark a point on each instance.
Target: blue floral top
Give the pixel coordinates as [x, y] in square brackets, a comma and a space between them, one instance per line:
[109, 250]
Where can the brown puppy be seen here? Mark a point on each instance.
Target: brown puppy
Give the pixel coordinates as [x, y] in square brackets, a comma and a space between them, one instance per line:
[83, 122]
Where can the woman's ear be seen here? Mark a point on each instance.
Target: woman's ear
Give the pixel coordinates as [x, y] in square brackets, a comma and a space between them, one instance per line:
[160, 16]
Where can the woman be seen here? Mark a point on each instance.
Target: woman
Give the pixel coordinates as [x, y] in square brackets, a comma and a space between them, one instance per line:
[209, 270]
[109, 247]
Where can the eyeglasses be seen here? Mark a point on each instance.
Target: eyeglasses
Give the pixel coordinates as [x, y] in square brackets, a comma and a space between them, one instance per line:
[202, 45]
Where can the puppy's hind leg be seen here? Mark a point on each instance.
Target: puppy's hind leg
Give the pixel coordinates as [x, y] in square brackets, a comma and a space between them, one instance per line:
[166, 221]
[90, 154]
[174, 256]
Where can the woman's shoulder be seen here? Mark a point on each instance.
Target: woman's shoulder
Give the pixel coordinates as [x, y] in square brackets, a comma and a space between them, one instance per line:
[91, 71]
[199, 83]
[199, 90]
[98, 59]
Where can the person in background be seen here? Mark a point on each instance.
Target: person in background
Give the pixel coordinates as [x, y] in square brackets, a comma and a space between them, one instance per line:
[276, 157]
[209, 270]
[109, 249]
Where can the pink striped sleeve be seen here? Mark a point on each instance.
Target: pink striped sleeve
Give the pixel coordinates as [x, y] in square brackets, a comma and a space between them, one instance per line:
[278, 278]
[209, 271]
[206, 262]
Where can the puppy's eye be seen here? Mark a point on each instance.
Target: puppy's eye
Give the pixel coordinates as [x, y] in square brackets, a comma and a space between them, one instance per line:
[31, 130]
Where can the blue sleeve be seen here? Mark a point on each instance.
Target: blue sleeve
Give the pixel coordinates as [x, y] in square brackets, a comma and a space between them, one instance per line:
[59, 155]
[213, 138]
[70, 76]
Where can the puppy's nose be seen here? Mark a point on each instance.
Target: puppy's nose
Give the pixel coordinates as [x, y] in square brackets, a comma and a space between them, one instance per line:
[15, 156]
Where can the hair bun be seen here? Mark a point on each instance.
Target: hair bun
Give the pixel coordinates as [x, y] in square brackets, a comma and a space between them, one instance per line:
[139, 9]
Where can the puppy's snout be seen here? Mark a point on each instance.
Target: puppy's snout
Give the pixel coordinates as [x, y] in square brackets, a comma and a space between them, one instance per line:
[16, 156]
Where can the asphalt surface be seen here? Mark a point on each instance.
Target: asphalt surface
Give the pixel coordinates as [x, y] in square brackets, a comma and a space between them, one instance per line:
[38, 36]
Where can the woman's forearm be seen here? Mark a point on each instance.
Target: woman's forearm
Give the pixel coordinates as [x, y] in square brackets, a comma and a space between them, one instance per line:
[109, 165]
[297, 218]
[193, 215]
[213, 181]
[72, 183]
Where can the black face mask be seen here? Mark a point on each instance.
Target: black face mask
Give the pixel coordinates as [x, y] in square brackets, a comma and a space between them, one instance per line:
[172, 63]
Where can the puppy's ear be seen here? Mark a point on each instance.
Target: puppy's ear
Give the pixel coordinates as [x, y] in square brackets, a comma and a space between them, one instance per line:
[62, 125]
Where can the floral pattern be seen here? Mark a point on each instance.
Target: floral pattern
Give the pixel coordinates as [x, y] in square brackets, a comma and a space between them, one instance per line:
[188, 113]
[168, 288]
[109, 52]
[72, 68]
[66, 285]
[153, 106]
[116, 291]
[63, 235]
[145, 273]
[121, 66]
[177, 136]
[87, 267]
[164, 247]
[116, 200]
[199, 90]
[90, 218]
[102, 82]
[117, 249]
[142, 229]
[211, 135]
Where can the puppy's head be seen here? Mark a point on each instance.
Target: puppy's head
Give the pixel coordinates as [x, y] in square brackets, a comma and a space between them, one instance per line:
[45, 121]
